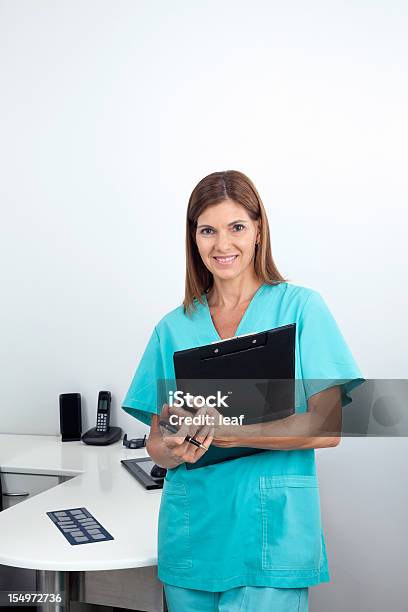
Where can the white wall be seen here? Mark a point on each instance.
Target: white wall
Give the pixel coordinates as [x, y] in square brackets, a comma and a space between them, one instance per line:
[110, 114]
[111, 111]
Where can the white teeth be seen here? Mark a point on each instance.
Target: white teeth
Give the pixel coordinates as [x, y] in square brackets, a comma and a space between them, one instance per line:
[225, 259]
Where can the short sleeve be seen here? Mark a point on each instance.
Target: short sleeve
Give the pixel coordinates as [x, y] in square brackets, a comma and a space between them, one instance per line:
[145, 394]
[325, 358]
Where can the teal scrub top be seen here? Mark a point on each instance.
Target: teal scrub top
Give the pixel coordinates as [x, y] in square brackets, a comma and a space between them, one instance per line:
[254, 520]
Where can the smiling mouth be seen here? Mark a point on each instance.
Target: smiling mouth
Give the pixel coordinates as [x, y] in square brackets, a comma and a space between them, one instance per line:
[226, 260]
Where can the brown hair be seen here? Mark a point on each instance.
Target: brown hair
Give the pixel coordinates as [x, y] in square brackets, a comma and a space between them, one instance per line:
[213, 189]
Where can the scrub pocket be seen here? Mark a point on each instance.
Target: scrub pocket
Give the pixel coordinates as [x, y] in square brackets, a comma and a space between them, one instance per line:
[291, 522]
[174, 548]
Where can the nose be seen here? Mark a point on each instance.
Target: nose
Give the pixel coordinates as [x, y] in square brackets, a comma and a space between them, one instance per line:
[223, 241]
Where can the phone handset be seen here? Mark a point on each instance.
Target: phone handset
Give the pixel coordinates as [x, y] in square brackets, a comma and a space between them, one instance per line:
[103, 412]
[103, 433]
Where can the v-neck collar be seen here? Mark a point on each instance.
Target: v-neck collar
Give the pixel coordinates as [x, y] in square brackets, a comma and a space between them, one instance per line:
[243, 318]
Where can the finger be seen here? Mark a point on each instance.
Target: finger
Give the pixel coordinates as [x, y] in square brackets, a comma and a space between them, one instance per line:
[177, 439]
[195, 453]
[207, 441]
[183, 451]
[191, 429]
[197, 427]
[202, 433]
[192, 453]
[164, 414]
[182, 412]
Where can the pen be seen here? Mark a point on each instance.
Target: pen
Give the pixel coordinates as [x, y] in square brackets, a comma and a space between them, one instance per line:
[174, 429]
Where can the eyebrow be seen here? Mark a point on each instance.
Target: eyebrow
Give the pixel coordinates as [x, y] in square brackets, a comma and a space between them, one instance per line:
[232, 223]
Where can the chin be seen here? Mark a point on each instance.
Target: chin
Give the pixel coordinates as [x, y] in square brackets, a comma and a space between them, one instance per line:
[226, 274]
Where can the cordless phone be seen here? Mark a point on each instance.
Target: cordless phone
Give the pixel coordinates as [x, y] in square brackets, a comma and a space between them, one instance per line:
[103, 412]
[103, 433]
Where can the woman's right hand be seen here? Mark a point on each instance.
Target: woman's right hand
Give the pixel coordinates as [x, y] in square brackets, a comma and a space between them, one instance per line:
[171, 449]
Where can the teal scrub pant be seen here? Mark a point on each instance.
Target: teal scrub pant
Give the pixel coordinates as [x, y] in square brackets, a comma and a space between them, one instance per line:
[240, 599]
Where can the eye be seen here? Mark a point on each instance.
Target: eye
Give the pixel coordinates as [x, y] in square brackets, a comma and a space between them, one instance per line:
[205, 230]
[239, 225]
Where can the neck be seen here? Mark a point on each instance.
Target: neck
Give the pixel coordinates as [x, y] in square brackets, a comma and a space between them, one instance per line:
[230, 293]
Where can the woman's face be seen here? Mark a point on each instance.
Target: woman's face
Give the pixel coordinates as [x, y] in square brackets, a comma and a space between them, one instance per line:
[226, 238]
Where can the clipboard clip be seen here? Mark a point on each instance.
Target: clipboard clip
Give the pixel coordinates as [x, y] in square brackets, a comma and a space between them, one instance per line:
[233, 345]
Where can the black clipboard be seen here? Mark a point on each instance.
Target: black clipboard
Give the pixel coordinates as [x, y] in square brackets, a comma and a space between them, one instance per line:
[254, 373]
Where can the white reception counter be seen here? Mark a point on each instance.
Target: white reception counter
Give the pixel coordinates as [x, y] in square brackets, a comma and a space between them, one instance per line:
[99, 482]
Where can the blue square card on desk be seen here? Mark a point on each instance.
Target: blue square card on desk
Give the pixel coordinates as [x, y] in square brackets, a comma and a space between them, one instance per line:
[78, 526]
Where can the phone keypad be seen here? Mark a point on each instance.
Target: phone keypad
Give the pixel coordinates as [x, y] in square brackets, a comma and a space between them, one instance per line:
[101, 422]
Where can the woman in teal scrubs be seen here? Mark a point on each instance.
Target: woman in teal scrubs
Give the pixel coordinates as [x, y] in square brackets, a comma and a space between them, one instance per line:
[243, 534]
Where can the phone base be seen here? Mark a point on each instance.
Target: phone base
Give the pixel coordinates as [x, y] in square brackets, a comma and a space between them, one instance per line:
[100, 438]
